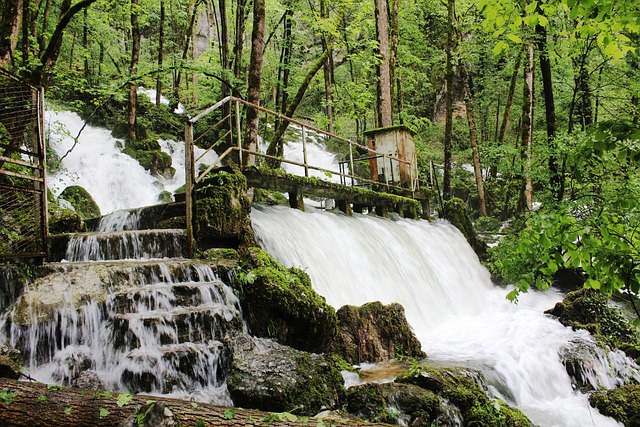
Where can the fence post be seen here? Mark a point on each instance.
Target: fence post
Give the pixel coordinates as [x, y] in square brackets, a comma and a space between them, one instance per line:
[238, 133]
[189, 184]
[304, 152]
[351, 171]
[42, 152]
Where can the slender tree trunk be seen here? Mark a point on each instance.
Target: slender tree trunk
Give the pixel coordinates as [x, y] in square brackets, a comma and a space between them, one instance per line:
[448, 129]
[327, 71]
[276, 146]
[385, 109]
[26, 26]
[284, 67]
[473, 134]
[507, 108]
[160, 53]
[394, 40]
[550, 111]
[255, 74]
[85, 42]
[239, 39]
[133, 70]
[42, 36]
[527, 124]
[193, 10]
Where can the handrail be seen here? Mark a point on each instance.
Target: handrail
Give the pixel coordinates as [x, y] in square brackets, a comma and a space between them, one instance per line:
[192, 179]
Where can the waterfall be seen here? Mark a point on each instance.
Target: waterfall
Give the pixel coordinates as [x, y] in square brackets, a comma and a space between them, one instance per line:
[460, 317]
[97, 163]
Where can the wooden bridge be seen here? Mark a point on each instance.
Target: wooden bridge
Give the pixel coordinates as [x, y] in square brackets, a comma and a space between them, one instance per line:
[380, 180]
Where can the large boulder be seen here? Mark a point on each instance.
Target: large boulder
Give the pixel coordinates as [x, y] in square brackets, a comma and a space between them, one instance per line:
[374, 333]
[590, 310]
[401, 404]
[622, 404]
[272, 377]
[222, 210]
[82, 201]
[280, 303]
[465, 390]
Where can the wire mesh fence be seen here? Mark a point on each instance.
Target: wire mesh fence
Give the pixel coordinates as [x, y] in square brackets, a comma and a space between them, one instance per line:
[23, 216]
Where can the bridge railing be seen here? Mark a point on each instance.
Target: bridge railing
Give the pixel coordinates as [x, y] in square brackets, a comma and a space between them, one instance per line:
[23, 194]
[224, 130]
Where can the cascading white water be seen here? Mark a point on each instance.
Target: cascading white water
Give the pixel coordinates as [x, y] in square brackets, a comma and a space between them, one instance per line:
[114, 179]
[153, 327]
[456, 312]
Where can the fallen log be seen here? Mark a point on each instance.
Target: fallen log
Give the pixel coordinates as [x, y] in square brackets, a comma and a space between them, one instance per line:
[35, 404]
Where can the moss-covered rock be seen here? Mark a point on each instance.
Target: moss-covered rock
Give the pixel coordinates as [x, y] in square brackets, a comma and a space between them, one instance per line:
[622, 404]
[404, 404]
[272, 377]
[222, 210]
[82, 201]
[155, 161]
[455, 211]
[462, 388]
[375, 332]
[280, 303]
[590, 310]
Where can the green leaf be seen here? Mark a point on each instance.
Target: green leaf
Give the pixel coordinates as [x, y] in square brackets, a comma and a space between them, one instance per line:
[68, 411]
[7, 396]
[42, 398]
[200, 423]
[103, 413]
[229, 414]
[124, 399]
[514, 38]
[531, 7]
[194, 404]
[499, 47]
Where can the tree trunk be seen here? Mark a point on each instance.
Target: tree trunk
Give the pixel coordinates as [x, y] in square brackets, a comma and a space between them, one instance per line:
[276, 145]
[239, 39]
[394, 23]
[49, 57]
[550, 111]
[85, 43]
[448, 128]
[255, 75]
[193, 6]
[9, 29]
[39, 405]
[327, 71]
[385, 109]
[42, 41]
[133, 70]
[160, 53]
[474, 139]
[493, 171]
[527, 124]
[284, 67]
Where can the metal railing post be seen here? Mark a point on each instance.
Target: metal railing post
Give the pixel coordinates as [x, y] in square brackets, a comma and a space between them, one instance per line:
[351, 171]
[238, 133]
[189, 184]
[304, 152]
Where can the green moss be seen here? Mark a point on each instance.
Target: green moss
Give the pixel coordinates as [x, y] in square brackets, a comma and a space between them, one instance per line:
[81, 201]
[589, 309]
[461, 388]
[622, 404]
[280, 303]
[151, 160]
